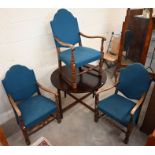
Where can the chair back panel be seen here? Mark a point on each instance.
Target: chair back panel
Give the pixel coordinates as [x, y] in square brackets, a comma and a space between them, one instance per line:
[65, 27]
[20, 82]
[134, 81]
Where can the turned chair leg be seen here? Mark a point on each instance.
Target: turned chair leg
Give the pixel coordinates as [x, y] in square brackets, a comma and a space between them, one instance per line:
[100, 67]
[129, 130]
[58, 117]
[27, 140]
[74, 84]
[58, 114]
[101, 59]
[96, 113]
[65, 94]
[96, 116]
[60, 68]
[93, 94]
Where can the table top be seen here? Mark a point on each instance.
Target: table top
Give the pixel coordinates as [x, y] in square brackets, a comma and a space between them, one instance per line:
[88, 82]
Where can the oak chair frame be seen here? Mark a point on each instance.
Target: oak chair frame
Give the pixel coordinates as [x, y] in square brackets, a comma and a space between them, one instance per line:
[73, 80]
[129, 127]
[27, 132]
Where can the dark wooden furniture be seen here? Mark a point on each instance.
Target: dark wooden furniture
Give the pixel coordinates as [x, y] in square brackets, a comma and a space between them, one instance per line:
[151, 139]
[3, 140]
[142, 32]
[87, 83]
[149, 121]
[67, 36]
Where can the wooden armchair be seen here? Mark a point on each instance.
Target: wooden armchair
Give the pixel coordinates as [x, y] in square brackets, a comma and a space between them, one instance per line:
[31, 108]
[133, 83]
[67, 35]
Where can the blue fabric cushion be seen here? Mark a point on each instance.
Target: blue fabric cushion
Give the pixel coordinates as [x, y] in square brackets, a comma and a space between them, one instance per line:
[82, 56]
[134, 81]
[118, 108]
[65, 27]
[20, 82]
[36, 109]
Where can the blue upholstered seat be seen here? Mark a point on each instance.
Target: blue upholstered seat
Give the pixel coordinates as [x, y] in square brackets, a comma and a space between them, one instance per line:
[36, 109]
[118, 108]
[82, 56]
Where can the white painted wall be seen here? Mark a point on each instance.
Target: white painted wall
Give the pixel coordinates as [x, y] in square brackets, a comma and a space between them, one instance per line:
[25, 38]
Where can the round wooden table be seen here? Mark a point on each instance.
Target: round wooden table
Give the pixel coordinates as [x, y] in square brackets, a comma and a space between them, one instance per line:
[87, 83]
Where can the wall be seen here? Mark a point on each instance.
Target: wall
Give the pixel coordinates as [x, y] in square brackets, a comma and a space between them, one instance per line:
[25, 38]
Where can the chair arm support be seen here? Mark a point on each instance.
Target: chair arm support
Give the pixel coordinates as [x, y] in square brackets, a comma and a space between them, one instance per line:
[139, 102]
[100, 90]
[86, 36]
[15, 107]
[49, 91]
[46, 89]
[71, 46]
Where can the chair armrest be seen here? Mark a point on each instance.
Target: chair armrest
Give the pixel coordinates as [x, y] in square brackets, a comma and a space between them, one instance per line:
[103, 90]
[86, 36]
[49, 91]
[100, 91]
[139, 102]
[71, 46]
[15, 107]
[46, 89]
[115, 84]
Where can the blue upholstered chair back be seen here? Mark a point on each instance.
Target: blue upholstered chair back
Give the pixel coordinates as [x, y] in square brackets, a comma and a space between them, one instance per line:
[20, 82]
[65, 27]
[134, 81]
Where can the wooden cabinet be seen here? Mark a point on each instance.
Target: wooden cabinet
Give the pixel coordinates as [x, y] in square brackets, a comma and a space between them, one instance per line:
[141, 29]
[151, 140]
[149, 121]
[3, 140]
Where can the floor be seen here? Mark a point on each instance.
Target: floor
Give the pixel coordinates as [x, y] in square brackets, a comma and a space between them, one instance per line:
[78, 128]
